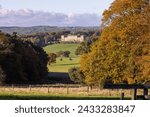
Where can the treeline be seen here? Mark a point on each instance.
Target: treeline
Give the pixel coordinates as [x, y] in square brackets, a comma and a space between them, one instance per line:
[45, 38]
[43, 35]
[21, 61]
[43, 29]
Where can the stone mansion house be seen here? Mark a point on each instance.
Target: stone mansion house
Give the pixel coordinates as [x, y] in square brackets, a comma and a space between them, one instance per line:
[72, 38]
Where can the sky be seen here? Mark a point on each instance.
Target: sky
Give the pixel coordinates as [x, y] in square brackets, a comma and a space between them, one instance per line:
[52, 12]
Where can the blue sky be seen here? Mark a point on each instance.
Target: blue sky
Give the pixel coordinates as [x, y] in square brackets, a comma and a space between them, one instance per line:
[73, 11]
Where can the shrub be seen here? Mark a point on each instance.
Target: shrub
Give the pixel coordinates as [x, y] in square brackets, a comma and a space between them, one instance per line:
[66, 53]
[52, 58]
[76, 75]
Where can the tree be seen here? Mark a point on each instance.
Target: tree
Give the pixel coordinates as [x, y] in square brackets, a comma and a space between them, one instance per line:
[2, 76]
[85, 46]
[52, 58]
[122, 54]
[21, 61]
[66, 53]
[76, 75]
[14, 35]
[3, 38]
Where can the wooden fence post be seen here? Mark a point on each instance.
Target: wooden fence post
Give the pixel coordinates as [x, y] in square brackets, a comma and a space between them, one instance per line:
[91, 87]
[109, 90]
[121, 95]
[129, 92]
[88, 89]
[48, 89]
[145, 91]
[134, 94]
[67, 90]
[12, 86]
[29, 87]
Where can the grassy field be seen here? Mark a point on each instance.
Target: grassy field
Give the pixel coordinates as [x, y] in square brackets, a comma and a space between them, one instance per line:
[60, 93]
[32, 96]
[62, 47]
[52, 97]
[65, 64]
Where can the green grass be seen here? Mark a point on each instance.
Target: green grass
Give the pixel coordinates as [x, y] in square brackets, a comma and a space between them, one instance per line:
[43, 96]
[65, 64]
[62, 47]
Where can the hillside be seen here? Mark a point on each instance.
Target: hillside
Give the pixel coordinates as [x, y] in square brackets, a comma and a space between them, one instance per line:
[62, 47]
[65, 64]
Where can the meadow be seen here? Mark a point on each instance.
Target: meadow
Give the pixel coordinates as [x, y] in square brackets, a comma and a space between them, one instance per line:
[66, 63]
[60, 93]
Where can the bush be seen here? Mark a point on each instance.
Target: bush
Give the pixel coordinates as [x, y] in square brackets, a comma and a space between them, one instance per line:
[76, 75]
[66, 53]
[52, 58]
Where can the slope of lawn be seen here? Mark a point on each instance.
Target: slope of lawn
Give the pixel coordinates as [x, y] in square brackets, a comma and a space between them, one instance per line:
[65, 64]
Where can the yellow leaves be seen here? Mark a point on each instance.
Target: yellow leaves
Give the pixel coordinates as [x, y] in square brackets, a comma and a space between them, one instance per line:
[122, 54]
[130, 80]
[146, 70]
[85, 64]
[146, 66]
[89, 81]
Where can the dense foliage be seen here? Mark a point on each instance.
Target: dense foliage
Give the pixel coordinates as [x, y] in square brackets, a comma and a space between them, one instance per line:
[21, 61]
[122, 53]
[86, 45]
[52, 37]
[76, 75]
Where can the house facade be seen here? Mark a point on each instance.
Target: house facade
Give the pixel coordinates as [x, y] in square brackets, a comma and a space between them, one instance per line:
[72, 38]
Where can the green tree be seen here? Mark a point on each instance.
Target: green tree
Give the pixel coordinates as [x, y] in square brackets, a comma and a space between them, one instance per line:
[86, 45]
[66, 53]
[2, 76]
[21, 61]
[76, 75]
[52, 58]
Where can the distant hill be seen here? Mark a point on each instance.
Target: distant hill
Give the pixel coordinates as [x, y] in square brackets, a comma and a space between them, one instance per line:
[37, 29]
[65, 64]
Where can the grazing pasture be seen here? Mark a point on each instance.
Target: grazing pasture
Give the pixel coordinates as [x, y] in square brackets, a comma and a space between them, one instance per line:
[64, 64]
[63, 92]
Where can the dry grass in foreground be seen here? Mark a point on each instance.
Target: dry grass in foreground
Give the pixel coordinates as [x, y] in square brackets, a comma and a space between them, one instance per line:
[61, 93]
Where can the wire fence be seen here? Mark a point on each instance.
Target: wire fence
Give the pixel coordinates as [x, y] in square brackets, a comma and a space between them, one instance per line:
[67, 89]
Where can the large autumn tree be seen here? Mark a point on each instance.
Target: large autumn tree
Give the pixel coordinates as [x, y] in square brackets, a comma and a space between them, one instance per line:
[122, 53]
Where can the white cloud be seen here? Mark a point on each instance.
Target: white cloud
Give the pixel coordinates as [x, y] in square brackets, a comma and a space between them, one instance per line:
[26, 17]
